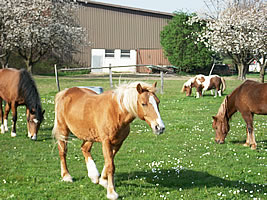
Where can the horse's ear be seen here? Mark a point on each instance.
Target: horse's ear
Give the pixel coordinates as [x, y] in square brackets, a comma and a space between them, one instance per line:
[43, 112]
[139, 88]
[155, 84]
[214, 117]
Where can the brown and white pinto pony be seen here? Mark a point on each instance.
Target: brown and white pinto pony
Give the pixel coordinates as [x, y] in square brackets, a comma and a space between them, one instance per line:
[103, 118]
[249, 98]
[203, 83]
[18, 88]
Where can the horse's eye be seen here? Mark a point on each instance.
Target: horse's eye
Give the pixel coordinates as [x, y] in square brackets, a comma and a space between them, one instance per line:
[144, 104]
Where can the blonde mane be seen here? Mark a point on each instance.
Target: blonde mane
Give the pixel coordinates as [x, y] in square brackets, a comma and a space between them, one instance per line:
[222, 109]
[126, 95]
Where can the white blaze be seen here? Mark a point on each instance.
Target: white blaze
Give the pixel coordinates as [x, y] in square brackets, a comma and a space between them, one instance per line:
[154, 104]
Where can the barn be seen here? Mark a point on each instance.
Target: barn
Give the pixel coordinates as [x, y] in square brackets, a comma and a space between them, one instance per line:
[121, 36]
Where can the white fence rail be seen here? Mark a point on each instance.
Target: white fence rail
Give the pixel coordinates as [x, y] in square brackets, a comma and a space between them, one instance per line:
[158, 68]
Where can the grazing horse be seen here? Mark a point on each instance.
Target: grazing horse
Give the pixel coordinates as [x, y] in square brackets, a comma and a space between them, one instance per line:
[103, 118]
[249, 98]
[18, 88]
[203, 83]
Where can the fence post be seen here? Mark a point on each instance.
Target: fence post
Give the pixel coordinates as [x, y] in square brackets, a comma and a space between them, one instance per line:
[161, 77]
[110, 76]
[57, 81]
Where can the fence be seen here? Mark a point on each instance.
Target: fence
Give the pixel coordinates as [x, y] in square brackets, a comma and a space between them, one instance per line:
[158, 68]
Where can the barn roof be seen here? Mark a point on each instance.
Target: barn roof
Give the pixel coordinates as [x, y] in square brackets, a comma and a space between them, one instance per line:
[126, 8]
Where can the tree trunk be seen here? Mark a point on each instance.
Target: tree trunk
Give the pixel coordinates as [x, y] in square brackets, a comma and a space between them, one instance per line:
[242, 71]
[28, 65]
[262, 73]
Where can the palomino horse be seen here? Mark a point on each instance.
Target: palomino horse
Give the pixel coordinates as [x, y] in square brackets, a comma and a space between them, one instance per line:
[249, 98]
[18, 88]
[103, 118]
[203, 83]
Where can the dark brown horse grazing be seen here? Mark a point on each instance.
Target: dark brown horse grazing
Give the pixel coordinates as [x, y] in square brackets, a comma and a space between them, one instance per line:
[249, 98]
[103, 118]
[18, 88]
[203, 83]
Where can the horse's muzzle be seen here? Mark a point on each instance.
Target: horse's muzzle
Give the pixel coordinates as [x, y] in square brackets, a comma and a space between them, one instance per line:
[219, 141]
[159, 129]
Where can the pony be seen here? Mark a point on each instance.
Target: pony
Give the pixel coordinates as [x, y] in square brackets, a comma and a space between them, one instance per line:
[249, 98]
[103, 118]
[18, 88]
[203, 83]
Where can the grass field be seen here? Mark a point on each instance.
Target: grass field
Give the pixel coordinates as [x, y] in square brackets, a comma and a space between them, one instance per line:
[182, 163]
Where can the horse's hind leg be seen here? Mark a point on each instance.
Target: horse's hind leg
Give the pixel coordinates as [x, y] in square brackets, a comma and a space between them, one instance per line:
[62, 148]
[93, 173]
[1, 115]
[7, 110]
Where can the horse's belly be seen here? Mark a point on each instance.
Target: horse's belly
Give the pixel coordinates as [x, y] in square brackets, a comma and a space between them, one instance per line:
[85, 133]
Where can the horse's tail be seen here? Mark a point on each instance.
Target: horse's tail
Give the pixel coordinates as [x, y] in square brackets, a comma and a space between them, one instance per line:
[223, 84]
[56, 134]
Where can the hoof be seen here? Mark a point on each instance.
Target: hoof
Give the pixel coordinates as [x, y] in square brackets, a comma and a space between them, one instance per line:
[95, 179]
[103, 182]
[13, 134]
[2, 129]
[112, 196]
[253, 146]
[67, 178]
[246, 145]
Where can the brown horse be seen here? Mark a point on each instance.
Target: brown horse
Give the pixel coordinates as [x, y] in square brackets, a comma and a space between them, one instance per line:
[18, 88]
[249, 98]
[103, 118]
[203, 83]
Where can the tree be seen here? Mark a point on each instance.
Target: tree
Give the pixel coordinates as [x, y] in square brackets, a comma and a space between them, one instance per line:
[35, 27]
[239, 30]
[179, 44]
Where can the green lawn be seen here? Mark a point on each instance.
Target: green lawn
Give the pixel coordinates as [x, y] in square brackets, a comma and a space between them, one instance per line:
[182, 163]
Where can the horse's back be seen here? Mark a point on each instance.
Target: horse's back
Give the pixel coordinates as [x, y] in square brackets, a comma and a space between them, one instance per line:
[253, 95]
[9, 79]
[80, 110]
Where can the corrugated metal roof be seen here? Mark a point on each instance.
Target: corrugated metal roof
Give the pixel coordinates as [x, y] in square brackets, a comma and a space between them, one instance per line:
[96, 3]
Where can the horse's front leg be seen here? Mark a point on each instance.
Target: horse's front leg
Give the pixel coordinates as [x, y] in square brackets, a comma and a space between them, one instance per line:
[248, 117]
[93, 173]
[109, 169]
[14, 119]
[216, 92]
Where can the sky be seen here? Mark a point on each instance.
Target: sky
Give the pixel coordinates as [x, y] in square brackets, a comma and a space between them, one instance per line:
[161, 5]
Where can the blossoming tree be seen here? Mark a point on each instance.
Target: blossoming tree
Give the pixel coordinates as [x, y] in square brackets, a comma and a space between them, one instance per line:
[239, 30]
[33, 28]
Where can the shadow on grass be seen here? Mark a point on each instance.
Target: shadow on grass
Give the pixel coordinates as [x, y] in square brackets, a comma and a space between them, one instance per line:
[185, 179]
[260, 143]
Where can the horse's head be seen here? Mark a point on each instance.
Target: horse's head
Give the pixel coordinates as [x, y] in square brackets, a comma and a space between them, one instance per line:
[187, 89]
[147, 108]
[221, 123]
[34, 120]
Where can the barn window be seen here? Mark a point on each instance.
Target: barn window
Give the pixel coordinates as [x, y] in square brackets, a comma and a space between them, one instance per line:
[109, 53]
[125, 53]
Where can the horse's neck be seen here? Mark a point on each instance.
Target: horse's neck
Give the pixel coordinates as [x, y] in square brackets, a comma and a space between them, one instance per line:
[124, 117]
[231, 108]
